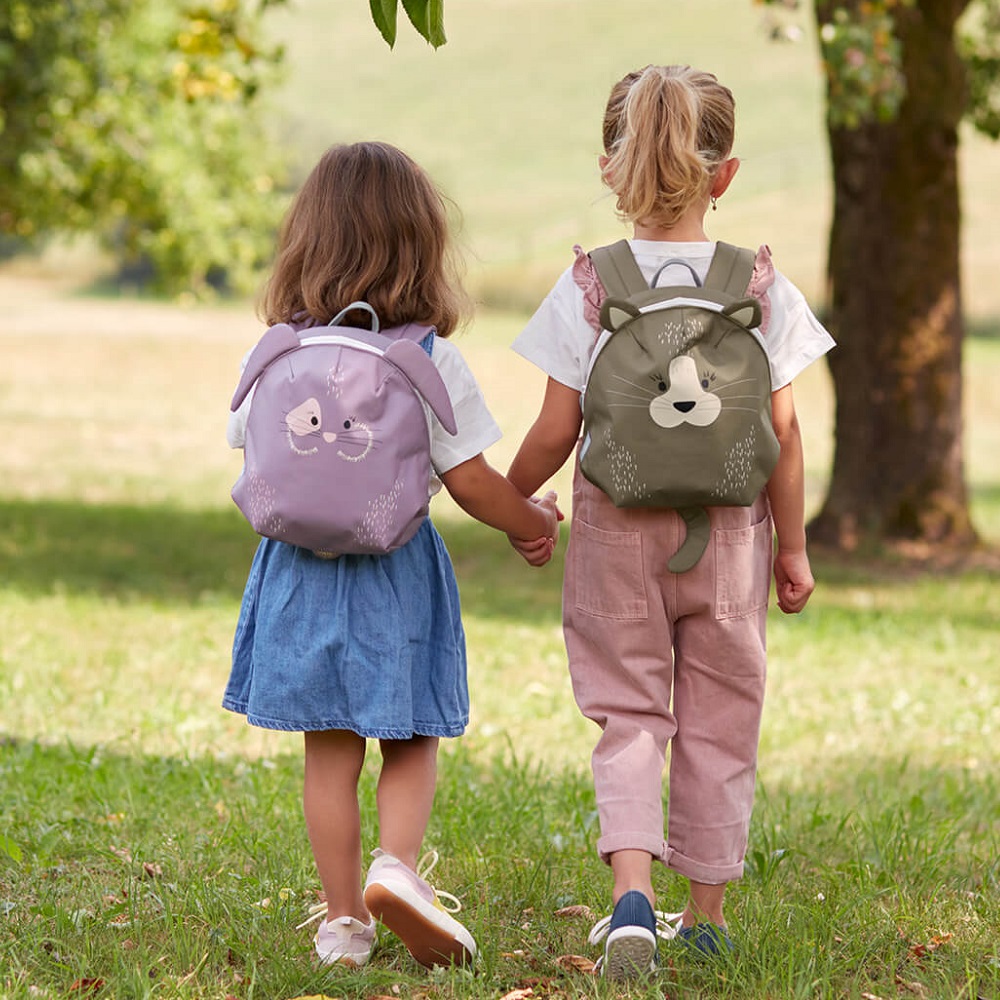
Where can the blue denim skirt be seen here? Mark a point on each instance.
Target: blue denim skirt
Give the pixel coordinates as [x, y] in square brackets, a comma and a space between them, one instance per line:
[372, 644]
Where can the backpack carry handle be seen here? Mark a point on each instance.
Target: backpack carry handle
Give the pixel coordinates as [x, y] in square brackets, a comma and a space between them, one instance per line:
[683, 263]
[336, 321]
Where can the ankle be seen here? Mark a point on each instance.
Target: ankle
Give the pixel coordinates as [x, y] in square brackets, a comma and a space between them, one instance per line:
[646, 889]
[695, 915]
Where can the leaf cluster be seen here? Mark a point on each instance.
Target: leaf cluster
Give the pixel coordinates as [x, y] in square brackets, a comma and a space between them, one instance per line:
[979, 45]
[140, 122]
[427, 16]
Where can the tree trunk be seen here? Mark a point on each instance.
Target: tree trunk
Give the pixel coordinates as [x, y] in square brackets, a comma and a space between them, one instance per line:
[896, 309]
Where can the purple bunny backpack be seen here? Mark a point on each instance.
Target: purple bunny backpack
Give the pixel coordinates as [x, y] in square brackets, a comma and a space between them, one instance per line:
[337, 451]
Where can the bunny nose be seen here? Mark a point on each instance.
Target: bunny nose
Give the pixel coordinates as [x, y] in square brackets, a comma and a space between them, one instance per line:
[329, 437]
[685, 407]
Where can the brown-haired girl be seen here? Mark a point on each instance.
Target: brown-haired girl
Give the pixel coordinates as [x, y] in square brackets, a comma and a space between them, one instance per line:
[656, 658]
[365, 646]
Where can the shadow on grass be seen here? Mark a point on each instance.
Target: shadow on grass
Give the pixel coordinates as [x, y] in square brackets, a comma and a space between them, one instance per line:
[170, 555]
[156, 553]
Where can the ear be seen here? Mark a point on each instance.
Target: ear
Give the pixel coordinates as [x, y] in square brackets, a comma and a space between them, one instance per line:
[724, 176]
[278, 340]
[615, 312]
[412, 360]
[746, 312]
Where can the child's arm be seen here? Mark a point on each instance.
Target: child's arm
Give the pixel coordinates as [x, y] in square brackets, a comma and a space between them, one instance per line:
[786, 491]
[488, 497]
[550, 441]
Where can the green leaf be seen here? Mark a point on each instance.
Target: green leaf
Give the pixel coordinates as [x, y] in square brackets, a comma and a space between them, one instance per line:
[8, 847]
[384, 16]
[427, 16]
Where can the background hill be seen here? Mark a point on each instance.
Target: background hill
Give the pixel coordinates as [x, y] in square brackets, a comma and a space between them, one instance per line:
[507, 115]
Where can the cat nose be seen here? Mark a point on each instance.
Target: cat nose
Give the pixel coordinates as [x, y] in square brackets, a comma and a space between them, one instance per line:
[685, 407]
[329, 437]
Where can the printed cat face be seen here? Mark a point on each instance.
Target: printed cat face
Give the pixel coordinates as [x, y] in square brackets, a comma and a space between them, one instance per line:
[352, 439]
[689, 394]
[688, 399]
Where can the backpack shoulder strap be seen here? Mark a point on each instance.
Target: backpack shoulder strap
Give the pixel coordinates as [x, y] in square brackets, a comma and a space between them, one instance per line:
[731, 269]
[617, 269]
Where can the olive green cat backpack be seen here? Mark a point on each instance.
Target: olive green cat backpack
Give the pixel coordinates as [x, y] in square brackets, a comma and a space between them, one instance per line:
[677, 404]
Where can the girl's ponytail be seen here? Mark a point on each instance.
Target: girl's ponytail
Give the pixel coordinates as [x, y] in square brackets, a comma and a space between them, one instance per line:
[666, 130]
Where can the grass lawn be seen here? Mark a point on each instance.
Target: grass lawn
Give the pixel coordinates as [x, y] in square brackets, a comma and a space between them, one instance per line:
[153, 843]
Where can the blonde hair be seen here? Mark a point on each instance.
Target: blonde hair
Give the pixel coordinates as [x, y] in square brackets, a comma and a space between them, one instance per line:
[368, 224]
[666, 131]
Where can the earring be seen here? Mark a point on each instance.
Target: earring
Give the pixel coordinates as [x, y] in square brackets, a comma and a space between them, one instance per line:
[715, 204]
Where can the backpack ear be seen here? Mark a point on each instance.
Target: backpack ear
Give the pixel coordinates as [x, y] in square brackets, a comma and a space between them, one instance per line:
[746, 312]
[278, 340]
[615, 312]
[413, 361]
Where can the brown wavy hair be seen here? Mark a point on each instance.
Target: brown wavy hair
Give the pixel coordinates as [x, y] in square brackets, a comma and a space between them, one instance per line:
[666, 131]
[368, 224]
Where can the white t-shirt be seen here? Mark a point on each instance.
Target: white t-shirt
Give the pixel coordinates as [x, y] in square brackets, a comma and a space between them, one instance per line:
[477, 429]
[559, 340]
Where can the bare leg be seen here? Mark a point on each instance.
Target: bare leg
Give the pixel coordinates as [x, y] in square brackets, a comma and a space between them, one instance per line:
[406, 795]
[632, 870]
[705, 904]
[333, 761]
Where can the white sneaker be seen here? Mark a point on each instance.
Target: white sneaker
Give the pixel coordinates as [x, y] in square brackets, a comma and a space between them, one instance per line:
[343, 940]
[404, 901]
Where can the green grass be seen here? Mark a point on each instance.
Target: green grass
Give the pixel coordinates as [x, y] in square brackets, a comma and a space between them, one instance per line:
[143, 828]
[155, 843]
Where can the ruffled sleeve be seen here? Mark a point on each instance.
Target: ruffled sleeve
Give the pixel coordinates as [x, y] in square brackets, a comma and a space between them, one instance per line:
[585, 278]
[760, 282]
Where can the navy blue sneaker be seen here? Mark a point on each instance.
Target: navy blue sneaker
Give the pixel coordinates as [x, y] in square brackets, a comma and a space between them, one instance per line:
[709, 939]
[629, 936]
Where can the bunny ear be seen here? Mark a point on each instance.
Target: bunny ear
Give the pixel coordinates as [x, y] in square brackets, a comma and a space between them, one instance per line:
[278, 340]
[413, 361]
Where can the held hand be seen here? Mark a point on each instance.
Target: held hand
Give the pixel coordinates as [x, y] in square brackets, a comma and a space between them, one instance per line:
[793, 581]
[538, 551]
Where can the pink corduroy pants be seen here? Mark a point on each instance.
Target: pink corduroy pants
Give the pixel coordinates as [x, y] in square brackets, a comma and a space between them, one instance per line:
[659, 658]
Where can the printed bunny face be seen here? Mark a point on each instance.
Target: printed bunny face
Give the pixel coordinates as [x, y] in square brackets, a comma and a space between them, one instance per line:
[307, 431]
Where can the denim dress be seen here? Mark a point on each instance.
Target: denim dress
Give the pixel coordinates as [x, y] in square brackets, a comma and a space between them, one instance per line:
[370, 644]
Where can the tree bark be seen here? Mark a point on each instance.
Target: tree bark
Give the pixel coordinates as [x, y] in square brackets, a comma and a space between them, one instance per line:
[896, 306]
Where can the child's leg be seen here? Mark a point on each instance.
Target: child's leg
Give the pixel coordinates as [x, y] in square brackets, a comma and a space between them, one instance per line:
[705, 903]
[333, 760]
[632, 870]
[395, 893]
[405, 796]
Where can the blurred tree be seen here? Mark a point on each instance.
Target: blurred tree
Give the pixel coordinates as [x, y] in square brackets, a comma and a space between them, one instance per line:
[138, 121]
[901, 75]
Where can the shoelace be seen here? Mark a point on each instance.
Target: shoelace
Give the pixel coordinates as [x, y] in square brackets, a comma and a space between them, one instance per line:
[316, 912]
[424, 867]
[667, 926]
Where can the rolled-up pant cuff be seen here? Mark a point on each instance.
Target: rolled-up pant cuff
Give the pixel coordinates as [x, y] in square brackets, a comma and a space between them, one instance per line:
[633, 841]
[697, 871]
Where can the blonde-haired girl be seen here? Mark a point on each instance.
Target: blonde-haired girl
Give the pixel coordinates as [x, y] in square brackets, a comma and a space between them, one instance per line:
[659, 658]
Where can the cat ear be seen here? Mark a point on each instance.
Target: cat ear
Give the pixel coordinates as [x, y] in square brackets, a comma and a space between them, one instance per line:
[278, 340]
[615, 312]
[746, 312]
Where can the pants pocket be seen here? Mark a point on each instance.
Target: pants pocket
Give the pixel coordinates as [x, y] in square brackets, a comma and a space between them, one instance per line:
[607, 572]
[743, 569]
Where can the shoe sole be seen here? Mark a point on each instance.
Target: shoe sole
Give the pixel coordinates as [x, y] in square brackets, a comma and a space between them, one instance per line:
[417, 925]
[629, 953]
